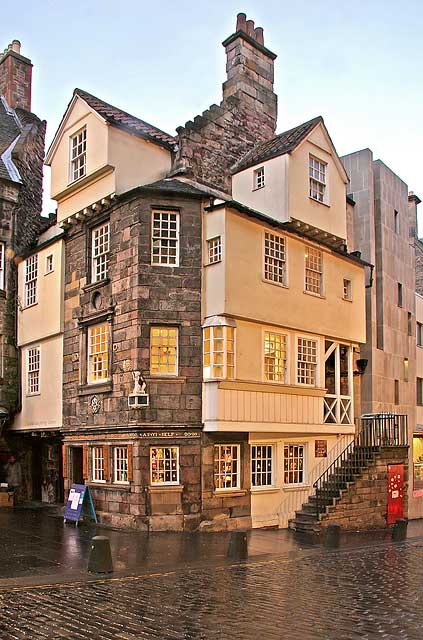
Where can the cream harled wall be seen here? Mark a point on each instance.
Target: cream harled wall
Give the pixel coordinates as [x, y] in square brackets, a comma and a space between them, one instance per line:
[287, 194]
[116, 161]
[235, 291]
[41, 326]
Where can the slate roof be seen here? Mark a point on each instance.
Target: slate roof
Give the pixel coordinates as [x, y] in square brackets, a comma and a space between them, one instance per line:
[9, 131]
[124, 120]
[282, 143]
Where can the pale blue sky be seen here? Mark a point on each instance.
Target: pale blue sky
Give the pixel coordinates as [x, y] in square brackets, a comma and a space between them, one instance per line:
[357, 63]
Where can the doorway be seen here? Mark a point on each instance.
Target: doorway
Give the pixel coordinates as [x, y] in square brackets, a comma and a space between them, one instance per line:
[77, 476]
[36, 470]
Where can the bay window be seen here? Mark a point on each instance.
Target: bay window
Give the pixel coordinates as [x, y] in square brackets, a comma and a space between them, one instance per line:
[219, 351]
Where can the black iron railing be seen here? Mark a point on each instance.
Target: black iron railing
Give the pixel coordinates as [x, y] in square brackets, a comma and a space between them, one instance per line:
[377, 431]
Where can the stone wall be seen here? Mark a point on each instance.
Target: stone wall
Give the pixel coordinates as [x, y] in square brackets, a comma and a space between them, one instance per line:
[213, 142]
[365, 504]
[135, 297]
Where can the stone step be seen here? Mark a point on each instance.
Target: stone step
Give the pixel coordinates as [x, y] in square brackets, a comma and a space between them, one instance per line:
[302, 516]
[304, 527]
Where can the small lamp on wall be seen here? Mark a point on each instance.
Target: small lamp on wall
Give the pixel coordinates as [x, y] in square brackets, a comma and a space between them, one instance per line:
[361, 366]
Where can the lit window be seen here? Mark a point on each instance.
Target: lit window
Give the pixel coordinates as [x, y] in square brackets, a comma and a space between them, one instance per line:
[313, 271]
[214, 250]
[274, 258]
[227, 466]
[164, 465]
[165, 238]
[100, 238]
[317, 175]
[406, 368]
[259, 178]
[306, 361]
[2, 253]
[98, 466]
[98, 353]
[78, 155]
[164, 351]
[218, 352]
[347, 289]
[293, 464]
[396, 392]
[274, 357]
[262, 465]
[31, 275]
[33, 371]
[120, 464]
[49, 263]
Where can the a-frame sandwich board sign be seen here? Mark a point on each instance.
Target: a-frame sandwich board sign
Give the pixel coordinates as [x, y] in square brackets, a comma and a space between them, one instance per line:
[79, 504]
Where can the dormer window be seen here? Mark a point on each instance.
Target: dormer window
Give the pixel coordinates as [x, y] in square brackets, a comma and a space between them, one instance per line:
[78, 151]
[258, 178]
[317, 176]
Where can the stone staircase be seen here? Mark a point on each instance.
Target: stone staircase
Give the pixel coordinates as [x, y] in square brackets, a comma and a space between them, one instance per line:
[352, 491]
[340, 481]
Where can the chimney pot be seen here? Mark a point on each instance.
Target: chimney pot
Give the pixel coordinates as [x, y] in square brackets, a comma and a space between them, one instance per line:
[241, 22]
[16, 46]
[250, 28]
[258, 32]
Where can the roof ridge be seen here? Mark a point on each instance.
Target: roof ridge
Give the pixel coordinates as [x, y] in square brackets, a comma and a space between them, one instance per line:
[107, 105]
[279, 144]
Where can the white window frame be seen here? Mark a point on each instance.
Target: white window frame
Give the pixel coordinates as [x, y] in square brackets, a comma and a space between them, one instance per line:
[261, 472]
[347, 290]
[118, 467]
[259, 178]
[100, 250]
[98, 474]
[91, 354]
[228, 368]
[297, 360]
[33, 371]
[270, 333]
[338, 408]
[275, 259]
[161, 351]
[78, 160]
[303, 445]
[2, 266]
[31, 278]
[164, 470]
[214, 250]
[313, 253]
[163, 236]
[218, 476]
[317, 173]
[51, 268]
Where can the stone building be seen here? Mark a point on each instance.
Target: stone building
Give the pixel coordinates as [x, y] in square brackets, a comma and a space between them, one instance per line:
[130, 200]
[21, 167]
[382, 230]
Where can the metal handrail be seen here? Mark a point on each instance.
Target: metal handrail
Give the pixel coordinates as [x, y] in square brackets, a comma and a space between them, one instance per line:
[377, 431]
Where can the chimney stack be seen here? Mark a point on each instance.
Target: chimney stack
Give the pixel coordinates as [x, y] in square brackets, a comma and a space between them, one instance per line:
[15, 77]
[250, 72]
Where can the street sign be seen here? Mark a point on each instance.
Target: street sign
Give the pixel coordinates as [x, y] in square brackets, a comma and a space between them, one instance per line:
[79, 504]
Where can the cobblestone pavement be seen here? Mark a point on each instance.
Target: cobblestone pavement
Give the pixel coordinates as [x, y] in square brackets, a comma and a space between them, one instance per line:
[368, 592]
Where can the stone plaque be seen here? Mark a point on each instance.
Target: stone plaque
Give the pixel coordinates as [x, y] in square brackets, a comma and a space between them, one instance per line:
[321, 448]
[169, 434]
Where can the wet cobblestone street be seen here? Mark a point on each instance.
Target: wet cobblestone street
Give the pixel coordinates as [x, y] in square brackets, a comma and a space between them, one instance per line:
[365, 592]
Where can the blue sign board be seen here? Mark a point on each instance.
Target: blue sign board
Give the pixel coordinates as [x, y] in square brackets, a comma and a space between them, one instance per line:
[79, 504]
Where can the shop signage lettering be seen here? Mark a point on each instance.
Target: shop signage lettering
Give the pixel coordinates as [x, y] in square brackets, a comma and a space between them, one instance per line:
[169, 434]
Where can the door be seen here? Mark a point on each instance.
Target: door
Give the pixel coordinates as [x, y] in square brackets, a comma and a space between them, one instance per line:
[36, 469]
[77, 465]
[395, 492]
